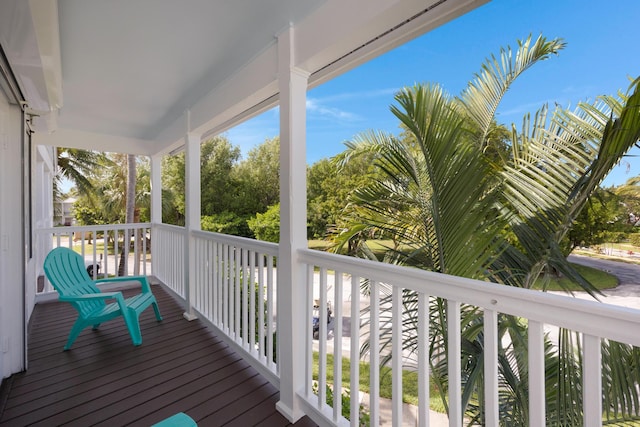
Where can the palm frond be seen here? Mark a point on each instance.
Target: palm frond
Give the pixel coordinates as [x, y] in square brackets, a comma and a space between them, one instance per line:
[556, 166]
[461, 204]
[485, 92]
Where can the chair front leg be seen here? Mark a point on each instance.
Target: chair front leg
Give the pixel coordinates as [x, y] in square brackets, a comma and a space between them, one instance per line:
[156, 310]
[75, 331]
[133, 325]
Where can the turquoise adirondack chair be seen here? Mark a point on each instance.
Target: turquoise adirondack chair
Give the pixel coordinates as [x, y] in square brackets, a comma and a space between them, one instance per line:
[178, 420]
[66, 271]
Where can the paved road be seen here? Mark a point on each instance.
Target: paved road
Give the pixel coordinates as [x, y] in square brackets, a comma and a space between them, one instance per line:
[627, 293]
[628, 274]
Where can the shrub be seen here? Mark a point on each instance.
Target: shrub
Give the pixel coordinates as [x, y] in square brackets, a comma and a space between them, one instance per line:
[614, 236]
[634, 239]
[266, 226]
[226, 223]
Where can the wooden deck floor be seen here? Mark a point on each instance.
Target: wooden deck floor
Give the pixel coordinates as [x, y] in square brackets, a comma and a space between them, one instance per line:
[105, 381]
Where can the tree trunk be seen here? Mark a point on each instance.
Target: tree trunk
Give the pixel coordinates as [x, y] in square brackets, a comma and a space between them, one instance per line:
[129, 216]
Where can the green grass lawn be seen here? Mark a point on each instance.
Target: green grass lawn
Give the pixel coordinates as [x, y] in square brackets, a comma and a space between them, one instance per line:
[409, 381]
[317, 244]
[598, 278]
[99, 247]
[377, 246]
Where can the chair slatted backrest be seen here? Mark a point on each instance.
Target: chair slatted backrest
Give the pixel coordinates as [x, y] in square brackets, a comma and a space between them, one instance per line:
[66, 271]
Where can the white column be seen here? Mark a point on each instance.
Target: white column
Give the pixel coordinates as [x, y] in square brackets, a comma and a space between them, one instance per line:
[156, 189]
[192, 214]
[293, 229]
[156, 207]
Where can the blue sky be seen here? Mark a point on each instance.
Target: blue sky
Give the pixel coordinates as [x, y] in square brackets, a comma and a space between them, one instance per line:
[602, 53]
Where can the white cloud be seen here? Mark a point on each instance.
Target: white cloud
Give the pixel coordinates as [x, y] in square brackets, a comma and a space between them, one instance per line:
[367, 94]
[529, 107]
[316, 107]
[579, 93]
[334, 108]
[322, 107]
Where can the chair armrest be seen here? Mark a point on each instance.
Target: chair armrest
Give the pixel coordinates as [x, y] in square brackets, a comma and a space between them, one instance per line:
[85, 297]
[142, 279]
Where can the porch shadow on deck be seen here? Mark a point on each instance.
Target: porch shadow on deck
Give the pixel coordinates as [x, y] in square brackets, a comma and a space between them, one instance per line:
[105, 381]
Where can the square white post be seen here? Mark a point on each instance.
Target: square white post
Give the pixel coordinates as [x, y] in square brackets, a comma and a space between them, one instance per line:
[156, 189]
[192, 215]
[293, 229]
[156, 204]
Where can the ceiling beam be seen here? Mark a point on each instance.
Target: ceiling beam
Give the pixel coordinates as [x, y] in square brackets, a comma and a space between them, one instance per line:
[70, 138]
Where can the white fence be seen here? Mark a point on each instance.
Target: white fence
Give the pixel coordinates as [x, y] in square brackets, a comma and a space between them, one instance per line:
[102, 247]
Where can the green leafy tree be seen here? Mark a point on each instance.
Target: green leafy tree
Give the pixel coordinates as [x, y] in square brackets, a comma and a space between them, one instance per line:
[226, 223]
[232, 191]
[266, 226]
[603, 215]
[258, 178]
[329, 185]
[457, 204]
[218, 157]
[629, 195]
[173, 189]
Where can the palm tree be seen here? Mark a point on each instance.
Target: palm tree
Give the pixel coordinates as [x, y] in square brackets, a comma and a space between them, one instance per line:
[77, 166]
[459, 204]
[112, 182]
[130, 204]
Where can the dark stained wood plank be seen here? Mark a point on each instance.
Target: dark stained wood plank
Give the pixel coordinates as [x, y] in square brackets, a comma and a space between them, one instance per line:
[263, 410]
[106, 381]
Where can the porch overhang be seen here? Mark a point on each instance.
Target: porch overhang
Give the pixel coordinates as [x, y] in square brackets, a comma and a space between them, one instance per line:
[132, 76]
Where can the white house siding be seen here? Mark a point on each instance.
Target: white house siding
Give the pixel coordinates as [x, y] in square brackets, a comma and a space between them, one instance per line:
[42, 173]
[12, 265]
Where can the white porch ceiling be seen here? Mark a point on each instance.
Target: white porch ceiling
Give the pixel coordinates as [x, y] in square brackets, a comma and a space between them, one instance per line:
[131, 68]
[139, 64]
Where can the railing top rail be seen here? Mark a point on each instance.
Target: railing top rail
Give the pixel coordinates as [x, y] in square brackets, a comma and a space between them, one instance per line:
[101, 227]
[170, 227]
[590, 317]
[257, 245]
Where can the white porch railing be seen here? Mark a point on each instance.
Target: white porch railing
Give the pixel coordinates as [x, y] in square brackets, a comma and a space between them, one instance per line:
[232, 286]
[101, 246]
[332, 277]
[168, 248]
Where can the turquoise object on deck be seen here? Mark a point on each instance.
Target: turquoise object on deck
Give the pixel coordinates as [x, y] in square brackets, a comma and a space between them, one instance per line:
[66, 271]
[178, 420]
